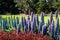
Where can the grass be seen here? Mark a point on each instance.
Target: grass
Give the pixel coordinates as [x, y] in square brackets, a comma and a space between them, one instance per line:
[26, 16]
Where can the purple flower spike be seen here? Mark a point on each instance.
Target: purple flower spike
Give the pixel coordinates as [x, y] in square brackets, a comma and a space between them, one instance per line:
[56, 13]
[58, 38]
[42, 17]
[31, 26]
[57, 26]
[44, 30]
[52, 29]
[39, 28]
[32, 16]
[51, 17]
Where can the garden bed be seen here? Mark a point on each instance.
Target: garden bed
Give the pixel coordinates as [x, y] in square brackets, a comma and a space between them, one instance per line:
[22, 36]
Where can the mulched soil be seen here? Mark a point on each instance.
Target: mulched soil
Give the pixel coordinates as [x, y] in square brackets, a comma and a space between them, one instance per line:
[22, 36]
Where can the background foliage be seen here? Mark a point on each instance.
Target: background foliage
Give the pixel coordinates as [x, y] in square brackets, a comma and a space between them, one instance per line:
[26, 6]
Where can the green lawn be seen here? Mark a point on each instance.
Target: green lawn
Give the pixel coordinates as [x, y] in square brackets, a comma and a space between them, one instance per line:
[26, 16]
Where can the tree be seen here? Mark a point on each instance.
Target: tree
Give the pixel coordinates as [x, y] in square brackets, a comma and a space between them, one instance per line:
[8, 6]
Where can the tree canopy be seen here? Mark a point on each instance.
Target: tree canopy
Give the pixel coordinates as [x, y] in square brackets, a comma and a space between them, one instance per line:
[26, 6]
[8, 6]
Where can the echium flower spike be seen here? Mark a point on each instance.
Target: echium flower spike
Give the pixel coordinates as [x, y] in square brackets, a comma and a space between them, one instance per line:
[58, 37]
[44, 30]
[34, 23]
[37, 21]
[17, 19]
[32, 16]
[56, 13]
[26, 26]
[23, 23]
[31, 26]
[39, 27]
[28, 17]
[4, 24]
[21, 27]
[42, 17]
[51, 17]
[22, 20]
[52, 29]
[57, 26]
[14, 24]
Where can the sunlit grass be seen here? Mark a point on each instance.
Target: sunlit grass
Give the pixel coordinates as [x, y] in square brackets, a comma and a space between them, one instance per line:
[26, 16]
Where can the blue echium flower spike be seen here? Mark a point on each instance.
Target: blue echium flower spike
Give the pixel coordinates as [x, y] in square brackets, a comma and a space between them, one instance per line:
[42, 17]
[26, 26]
[57, 26]
[17, 19]
[34, 23]
[32, 16]
[58, 37]
[31, 26]
[21, 27]
[14, 24]
[56, 13]
[28, 17]
[39, 27]
[37, 21]
[4, 24]
[52, 29]
[24, 21]
[51, 17]
[44, 30]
